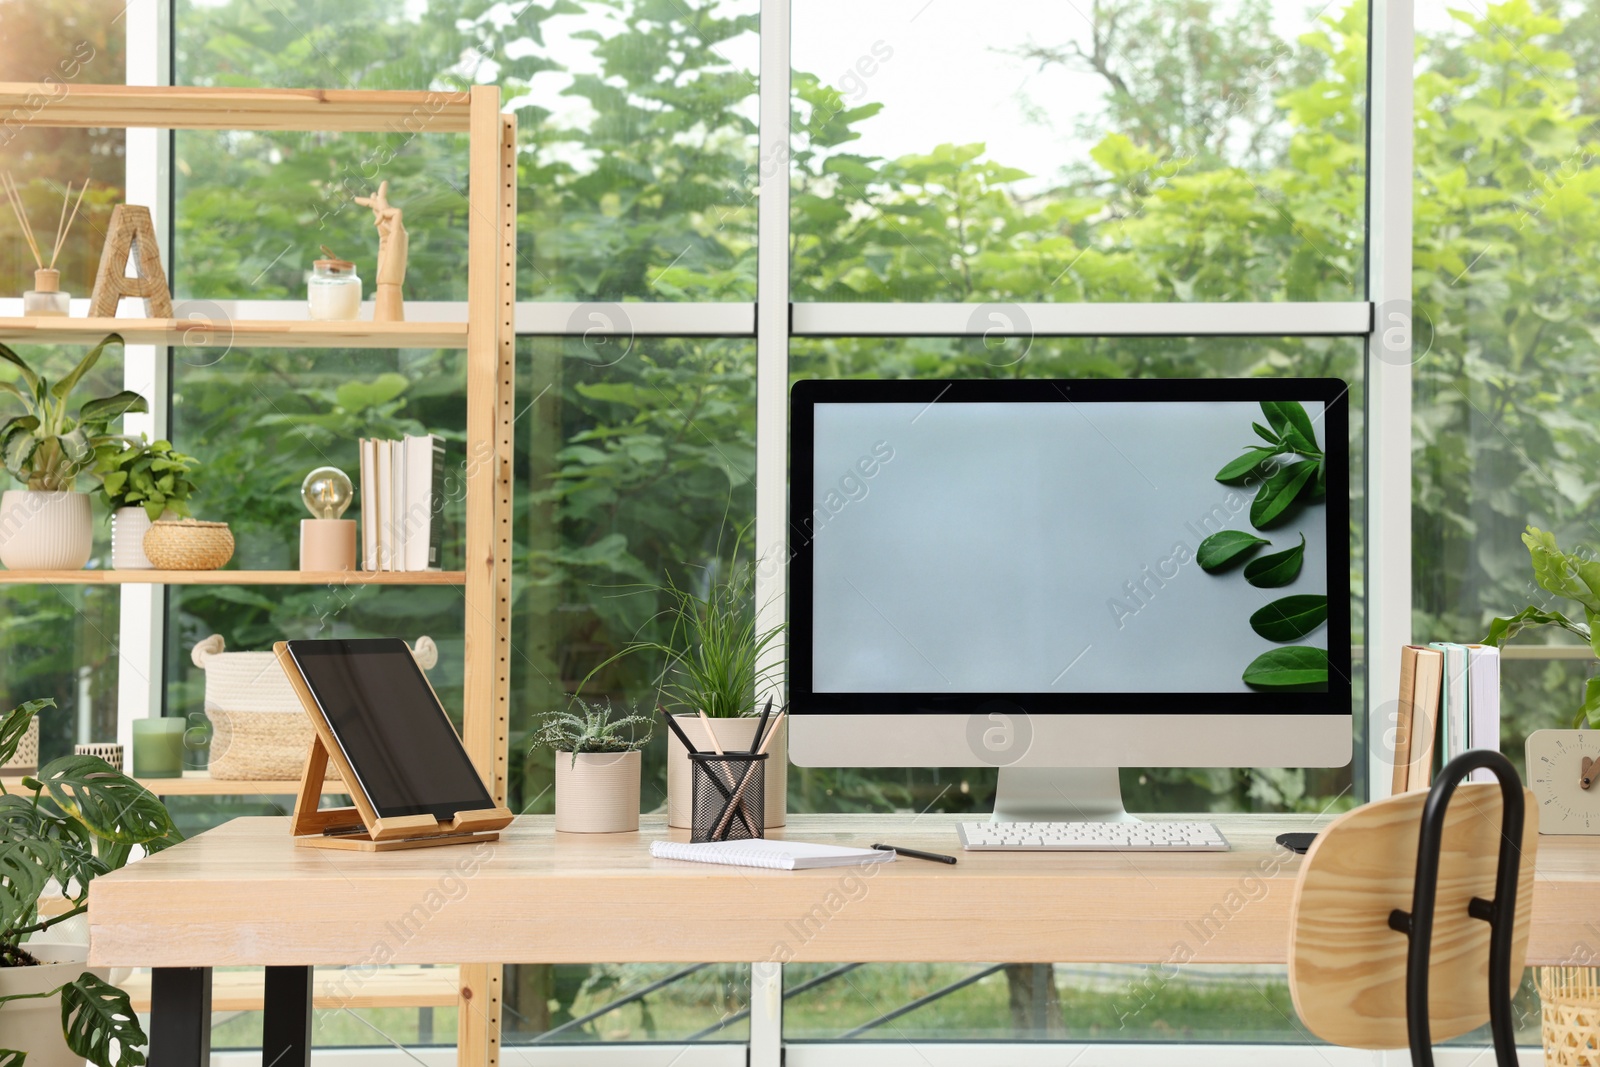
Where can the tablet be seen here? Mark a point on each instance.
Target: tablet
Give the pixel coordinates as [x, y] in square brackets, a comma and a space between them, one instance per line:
[393, 732]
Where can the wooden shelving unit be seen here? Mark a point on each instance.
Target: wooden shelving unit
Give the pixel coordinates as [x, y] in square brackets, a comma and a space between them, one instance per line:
[210, 787]
[96, 577]
[200, 333]
[488, 336]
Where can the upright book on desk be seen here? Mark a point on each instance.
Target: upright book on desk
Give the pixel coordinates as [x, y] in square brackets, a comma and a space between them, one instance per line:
[1421, 675]
[765, 852]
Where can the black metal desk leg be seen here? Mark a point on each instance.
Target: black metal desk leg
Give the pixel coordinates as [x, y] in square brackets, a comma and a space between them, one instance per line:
[286, 1028]
[180, 1016]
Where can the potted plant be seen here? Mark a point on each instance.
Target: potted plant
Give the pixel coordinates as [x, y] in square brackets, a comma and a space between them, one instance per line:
[597, 766]
[141, 481]
[718, 660]
[1570, 577]
[77, 819]
[46, 526]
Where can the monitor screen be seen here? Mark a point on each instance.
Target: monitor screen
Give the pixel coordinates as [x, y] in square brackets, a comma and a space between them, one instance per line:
[1061, 539]
[388, 722]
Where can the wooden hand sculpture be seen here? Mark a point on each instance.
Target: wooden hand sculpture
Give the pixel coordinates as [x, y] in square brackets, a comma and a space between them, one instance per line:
[392, 248]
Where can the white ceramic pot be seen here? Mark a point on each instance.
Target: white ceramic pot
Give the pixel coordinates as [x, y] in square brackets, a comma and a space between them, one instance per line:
[597, 792]
[732, 735]
[34, 1026]
[128, 527]
[45, 531]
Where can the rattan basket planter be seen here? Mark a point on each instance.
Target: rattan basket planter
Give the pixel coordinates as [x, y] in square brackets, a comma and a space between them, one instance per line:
[259, 731]
[188, 545]
[1570, 1016]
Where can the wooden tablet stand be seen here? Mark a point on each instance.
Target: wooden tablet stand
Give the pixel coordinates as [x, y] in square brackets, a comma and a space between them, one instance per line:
[309, 825]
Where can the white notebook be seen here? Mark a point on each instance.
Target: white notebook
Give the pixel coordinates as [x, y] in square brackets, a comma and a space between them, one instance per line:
[763, 852]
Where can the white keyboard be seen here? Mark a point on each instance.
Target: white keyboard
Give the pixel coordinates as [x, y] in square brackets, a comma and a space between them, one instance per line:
[1091, 837]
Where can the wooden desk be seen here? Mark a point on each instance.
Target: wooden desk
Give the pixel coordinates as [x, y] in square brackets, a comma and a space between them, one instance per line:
[242, 894]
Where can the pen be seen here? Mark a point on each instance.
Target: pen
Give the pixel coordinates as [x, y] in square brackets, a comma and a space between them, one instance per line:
[917, 854]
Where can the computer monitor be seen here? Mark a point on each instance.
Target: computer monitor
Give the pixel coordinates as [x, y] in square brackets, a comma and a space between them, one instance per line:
[1060, 578]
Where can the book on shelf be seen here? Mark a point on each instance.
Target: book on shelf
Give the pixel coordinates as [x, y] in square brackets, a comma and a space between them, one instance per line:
[401, 503]
[1449, 702]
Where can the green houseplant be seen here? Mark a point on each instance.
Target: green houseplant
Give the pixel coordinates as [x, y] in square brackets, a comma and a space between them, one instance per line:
[1570, 576]
[717, 659]
[597, 765]
[46, 526]
[77, 819]
[140, 481]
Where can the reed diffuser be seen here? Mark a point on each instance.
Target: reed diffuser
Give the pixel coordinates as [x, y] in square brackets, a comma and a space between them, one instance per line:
[46, 297]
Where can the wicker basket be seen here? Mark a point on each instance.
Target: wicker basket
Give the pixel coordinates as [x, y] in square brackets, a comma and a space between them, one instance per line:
[259, 730]
[26, 759]
[188, 545]
[1570, 1016]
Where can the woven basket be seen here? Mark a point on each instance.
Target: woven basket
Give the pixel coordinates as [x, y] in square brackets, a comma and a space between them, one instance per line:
[26, 760]
[188, 545]
[1570, 1016]
[259, 730]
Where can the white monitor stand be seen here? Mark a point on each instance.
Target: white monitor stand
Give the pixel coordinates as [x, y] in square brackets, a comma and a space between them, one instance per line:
[1059, 794]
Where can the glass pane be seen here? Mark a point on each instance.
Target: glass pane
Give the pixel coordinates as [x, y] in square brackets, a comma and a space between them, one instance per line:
[637, 126]
[1140, 151]
[634, 467]
[1152, 789]
[1506, 428]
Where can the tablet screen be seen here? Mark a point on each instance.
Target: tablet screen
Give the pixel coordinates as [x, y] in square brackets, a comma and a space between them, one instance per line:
[399, 741]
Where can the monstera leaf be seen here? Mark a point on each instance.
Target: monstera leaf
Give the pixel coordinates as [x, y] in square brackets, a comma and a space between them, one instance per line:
[93, 1015]
[26, 867]
[14, 724]
[112, 805]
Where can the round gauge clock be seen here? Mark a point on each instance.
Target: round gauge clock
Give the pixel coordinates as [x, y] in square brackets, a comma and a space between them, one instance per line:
[1564, 774]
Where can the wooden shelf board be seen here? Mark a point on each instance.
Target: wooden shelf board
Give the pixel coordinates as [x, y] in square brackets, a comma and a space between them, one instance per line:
[206, 108]
[406, 986]
[232, 577]
[212, 787]
[260, 333]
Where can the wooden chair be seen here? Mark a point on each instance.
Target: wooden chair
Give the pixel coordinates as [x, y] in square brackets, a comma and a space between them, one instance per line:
[1410, 917]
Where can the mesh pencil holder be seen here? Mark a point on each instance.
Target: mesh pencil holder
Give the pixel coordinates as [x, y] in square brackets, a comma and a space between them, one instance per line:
[729, 796]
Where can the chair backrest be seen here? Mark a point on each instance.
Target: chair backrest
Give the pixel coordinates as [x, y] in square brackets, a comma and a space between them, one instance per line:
[1347, 967]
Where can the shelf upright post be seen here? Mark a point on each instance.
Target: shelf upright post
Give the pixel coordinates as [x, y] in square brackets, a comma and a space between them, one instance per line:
[490, 304]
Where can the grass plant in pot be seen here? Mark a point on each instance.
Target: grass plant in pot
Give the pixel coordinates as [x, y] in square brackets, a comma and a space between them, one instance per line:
[597, 766]
[46, 525]
[720, 660]
[142, 481]
[78, 818]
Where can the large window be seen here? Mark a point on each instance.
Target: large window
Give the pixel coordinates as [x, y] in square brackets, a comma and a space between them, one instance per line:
[1122, 188]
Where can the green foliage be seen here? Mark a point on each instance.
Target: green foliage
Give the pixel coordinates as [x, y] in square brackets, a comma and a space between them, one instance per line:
[593, 726]
[150, 475]
[45, 448]
[1292, 617]
[1571, 576]
[1292, 667]
[87, 826]
[1278, 568]
[717, 657]
[1227, 548]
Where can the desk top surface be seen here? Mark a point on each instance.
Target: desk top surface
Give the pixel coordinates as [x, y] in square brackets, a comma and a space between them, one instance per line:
[243, 893]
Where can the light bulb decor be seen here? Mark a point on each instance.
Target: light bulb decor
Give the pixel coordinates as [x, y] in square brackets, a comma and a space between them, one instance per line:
[327, 541]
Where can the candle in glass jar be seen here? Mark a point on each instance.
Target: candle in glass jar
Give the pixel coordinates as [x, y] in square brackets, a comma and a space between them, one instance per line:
[158, 747]
[334, 291]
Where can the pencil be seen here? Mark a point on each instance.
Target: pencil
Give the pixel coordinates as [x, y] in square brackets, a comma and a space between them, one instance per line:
[744, 780]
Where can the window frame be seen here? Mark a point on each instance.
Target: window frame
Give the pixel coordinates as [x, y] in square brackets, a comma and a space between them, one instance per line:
[1382, 320]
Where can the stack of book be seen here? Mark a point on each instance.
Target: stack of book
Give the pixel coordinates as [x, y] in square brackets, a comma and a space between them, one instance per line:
[1449, 702]
[402, 510]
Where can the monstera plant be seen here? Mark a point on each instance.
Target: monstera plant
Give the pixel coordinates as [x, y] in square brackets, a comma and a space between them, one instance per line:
[78, 818]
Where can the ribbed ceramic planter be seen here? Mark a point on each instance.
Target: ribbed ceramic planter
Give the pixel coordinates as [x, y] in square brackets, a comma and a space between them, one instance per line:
[597, 792]
[34, 1026]
[733, 735]
[128, 527]
[45, 531]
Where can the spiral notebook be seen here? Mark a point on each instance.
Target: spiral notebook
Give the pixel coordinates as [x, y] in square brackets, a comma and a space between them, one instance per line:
[762, 852]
